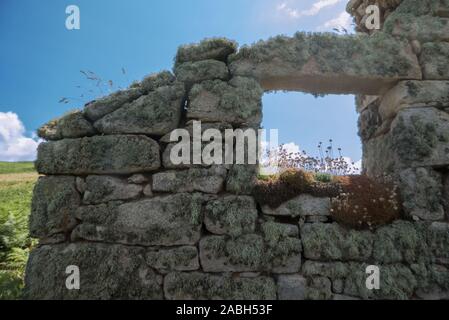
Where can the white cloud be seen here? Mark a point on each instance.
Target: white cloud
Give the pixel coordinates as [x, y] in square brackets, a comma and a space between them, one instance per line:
[14, 144]
[289, 11]
[343, 20]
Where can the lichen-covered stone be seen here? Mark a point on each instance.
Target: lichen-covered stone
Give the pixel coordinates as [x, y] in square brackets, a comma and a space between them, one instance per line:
[72, 125]
[242, 179]
[118, 154]
[213, 48]
[106, 272]
[275, 251]
[198, 71]
[414, 94]
[425, 28]
[322, 241]
[231, 215]
[219, 254]
[369, 122]
[291, 287]
[157, 113]
[203, 286]
[433, 60]
[421, 192]
[301, 206]
[319, 288]
[401, 241]
[176, 259]
[283, 248]
[97, 109]
[312, 62]
[238, 101]
[207, 180]
[156, 80]
[165, 221]
[419, 137]
[137, 178]
[54, 205]
[106, 188]
[220, 126]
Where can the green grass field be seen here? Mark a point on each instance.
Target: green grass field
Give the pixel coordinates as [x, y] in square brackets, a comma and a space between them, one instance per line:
[17, 180]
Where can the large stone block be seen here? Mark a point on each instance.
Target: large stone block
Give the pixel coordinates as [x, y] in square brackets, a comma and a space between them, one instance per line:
[433, 60]
[156, 80]
[97, 109]
[214, 48]
[72, 125]
[291, 287]
[198, 71]
[54, 205]
[157, 113]
[176, 259]
[242, 179]
[106, 188]
[401, 242]
[219, 254]
[322, 241]
[207, 180]
[165, 221]
[275, 251]
[237, 102]
[422, 191]
[231, 215]
[424, 28]
[121, 154]
[105, 272]
[419, 137]
[325, 63]
[202, 286]
[414, 94]
[301, 206]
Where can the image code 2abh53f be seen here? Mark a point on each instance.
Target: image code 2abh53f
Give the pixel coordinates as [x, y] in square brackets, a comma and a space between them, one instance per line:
[263, 150]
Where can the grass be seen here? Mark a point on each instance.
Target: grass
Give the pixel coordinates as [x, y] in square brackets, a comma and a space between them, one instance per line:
[17, 180]
[16, 167]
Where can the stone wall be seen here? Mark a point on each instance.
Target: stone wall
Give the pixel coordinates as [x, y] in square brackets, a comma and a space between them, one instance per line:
[141, 227]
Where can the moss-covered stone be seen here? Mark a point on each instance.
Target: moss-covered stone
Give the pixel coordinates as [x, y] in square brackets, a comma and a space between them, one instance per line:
[156, 80]
[106, 272]
[116, 154]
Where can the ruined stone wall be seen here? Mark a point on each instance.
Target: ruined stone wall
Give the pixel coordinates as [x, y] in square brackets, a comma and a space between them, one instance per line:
[139, 226]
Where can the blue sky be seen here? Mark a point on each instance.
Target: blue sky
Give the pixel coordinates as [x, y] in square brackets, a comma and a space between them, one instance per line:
[41, 60]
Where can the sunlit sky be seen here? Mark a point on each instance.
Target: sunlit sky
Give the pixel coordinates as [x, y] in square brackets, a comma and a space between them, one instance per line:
[41, 60]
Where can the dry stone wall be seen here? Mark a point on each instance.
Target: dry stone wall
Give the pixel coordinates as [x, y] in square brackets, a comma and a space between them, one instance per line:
[141, 227]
